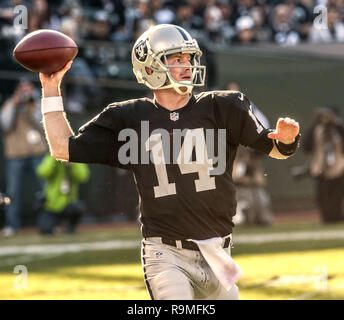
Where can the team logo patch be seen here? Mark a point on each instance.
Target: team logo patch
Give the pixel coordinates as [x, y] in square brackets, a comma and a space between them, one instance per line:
[158, 254]
[174, 116]
[141, 51]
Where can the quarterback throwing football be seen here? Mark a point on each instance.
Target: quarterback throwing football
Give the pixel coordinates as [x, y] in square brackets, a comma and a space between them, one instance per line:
[182, 147]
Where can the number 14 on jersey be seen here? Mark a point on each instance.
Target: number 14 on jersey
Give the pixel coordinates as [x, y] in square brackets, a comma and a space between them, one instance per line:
[194, 140]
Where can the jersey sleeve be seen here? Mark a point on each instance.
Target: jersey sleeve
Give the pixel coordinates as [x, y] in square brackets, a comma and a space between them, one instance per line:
[97, 140]
[242, 124]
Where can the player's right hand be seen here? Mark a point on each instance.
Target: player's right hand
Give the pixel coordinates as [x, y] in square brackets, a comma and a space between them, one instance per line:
[51, 82]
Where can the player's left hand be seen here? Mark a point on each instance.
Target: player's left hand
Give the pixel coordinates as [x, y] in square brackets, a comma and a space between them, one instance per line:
[286, 130]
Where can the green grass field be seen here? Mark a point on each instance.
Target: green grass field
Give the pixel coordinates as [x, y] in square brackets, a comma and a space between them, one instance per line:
[283, 269]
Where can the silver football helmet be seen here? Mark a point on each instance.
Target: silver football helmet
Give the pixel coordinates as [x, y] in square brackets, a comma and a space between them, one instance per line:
[150, 53]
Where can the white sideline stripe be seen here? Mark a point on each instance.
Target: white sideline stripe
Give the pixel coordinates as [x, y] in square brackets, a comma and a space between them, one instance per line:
[132, 244]
[26, 259]
[289, 236]
[69, 247]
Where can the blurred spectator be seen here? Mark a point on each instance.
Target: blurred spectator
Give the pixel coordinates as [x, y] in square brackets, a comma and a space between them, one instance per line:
[227, 30]
[98, 51]
[302, 14]
[115, 10]
[324, 141]
[143, 18]
[121, 35]
[283, 26]
[241, 8]
[41, 17]
[254, 203]
[61, 199]
[72, 10]
[262, 29]
[24, 144]
[78, 96]
[198, 7]
[100, 28]
[188, 17]
[334, 31]
[213, 21]
[68, 8]
[245, 31]
[69, 27]
[162, 13]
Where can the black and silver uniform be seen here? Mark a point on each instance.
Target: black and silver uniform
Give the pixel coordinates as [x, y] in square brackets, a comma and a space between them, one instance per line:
[182, 212]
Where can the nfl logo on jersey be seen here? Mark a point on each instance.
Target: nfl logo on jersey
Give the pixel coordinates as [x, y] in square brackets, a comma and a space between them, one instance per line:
[158, 255]
[174, 116]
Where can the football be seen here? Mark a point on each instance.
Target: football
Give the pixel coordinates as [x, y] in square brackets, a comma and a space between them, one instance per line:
[45, 51]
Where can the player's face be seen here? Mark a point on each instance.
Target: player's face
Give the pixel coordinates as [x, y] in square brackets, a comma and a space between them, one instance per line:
[180, 73]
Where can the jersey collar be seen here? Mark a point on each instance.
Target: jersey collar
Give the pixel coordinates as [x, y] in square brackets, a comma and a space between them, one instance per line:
[182, 109]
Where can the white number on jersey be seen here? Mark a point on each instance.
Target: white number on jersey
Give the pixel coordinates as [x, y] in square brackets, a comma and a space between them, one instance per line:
[193, 139]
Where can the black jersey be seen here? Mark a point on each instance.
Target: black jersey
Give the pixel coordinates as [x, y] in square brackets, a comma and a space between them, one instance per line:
[177, 201]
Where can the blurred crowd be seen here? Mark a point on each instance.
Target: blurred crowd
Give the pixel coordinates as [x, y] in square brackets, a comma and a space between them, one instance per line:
[222, 22]
[105, 30]
[53, 193]
[324, 143]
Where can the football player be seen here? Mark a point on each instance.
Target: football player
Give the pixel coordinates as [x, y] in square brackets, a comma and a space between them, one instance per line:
[174, 140]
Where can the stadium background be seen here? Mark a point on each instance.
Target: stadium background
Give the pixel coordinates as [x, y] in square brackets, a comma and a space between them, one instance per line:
[281, 79]
[297, 257]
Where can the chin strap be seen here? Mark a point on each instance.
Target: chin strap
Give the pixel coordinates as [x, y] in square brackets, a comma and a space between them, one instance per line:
[183, 93]
[177, 88]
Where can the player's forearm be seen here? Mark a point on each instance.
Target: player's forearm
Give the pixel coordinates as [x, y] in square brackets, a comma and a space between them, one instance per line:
[58, 132]
[56, 125]
[51, 91]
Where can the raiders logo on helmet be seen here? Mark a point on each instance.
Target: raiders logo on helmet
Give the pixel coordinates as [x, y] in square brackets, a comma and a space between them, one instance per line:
[141, 51]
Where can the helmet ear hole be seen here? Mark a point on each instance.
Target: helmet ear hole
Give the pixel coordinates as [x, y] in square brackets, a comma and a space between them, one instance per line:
[149, 71]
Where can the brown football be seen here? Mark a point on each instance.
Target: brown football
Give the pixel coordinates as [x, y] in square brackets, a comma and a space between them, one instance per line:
[45, 51]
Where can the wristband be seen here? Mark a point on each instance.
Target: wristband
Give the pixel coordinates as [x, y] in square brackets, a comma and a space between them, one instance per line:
[51, 104]
[288, 149]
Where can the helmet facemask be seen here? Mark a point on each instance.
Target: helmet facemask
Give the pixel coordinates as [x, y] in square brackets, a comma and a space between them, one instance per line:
[197, 70]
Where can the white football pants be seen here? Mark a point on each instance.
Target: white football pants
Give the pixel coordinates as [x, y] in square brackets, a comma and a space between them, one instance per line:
[172, 273]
